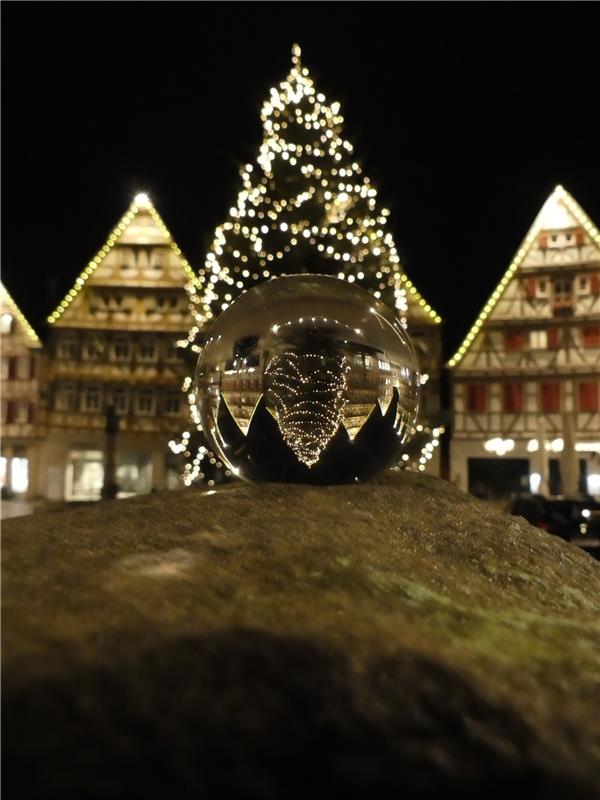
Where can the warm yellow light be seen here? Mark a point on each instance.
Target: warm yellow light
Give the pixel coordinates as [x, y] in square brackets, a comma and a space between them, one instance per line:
[142, 200]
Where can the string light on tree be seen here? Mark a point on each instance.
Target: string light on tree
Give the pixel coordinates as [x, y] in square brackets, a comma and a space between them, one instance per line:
[305, 204]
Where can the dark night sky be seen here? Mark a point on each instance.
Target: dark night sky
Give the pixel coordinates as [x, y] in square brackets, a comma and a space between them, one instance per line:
[464, 115]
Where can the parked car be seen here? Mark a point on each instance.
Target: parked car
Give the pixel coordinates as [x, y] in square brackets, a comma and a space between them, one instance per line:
[574, 520]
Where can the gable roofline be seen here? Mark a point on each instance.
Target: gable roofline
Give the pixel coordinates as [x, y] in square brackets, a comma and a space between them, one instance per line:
[558, 195]
[14, 308]
[141, 202]
[413, 295]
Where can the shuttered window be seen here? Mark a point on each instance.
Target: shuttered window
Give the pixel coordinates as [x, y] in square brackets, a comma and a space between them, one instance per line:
[588, 396]
[550, 397]
[591, 336]
[476, 398]
[514, 340]
[512, 396]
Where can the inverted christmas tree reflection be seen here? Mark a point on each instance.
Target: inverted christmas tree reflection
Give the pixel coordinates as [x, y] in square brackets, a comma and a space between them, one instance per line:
[307, 379]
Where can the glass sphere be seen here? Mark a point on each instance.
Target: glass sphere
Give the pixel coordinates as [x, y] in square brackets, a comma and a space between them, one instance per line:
[307, 379]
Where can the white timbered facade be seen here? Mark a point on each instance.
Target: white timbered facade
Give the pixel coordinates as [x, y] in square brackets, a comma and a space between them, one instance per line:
[22, 413]
[526, 379]
[112, 342]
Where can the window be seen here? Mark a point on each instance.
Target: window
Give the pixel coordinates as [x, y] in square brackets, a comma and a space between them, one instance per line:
[92, 398]
[553, 338]
[563, 293]
[93, 349]
[514, 340]
[6, 324]
[147, 351]
[23, 368]
[19, 478]
[530, 288]
[120, 400]
[591, 336]
[550, 397]
[538, 340]
[22, 411]
[588, 396]
[10, 412]
[512, 396]
[172, 404]
[583, 283]
[121, 350]
[146, 402]
[476, 398]
[68, 349]
[542, 286]
[12, 368]
[66, 397]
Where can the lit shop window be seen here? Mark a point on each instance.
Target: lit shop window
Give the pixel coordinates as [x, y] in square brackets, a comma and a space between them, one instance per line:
[3, 474]
[19, 473]
[84, 475]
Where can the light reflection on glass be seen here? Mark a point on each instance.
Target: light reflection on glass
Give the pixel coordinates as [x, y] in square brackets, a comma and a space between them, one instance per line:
[307, 379]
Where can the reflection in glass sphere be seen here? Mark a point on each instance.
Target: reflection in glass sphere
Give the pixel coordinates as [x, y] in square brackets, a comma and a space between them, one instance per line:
[307, 379]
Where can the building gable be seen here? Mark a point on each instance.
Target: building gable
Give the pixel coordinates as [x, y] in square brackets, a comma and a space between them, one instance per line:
[561, 236]
[139, 253]
[15, 322]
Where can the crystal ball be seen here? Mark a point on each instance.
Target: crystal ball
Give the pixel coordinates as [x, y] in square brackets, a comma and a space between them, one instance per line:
[307, 379]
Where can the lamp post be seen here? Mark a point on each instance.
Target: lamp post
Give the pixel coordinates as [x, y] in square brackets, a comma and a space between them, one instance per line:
[110, 486]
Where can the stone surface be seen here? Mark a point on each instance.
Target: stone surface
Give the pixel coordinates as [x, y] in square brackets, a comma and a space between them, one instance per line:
[269, 641]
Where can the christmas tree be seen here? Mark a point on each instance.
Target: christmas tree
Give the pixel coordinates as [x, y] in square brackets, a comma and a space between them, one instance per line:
[305, 206]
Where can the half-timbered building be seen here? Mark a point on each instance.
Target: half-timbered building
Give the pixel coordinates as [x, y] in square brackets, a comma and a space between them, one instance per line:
[22, 412]
[526, 379]
[112, 343]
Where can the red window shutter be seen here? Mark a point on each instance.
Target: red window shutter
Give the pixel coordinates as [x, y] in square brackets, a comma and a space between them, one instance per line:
[12, 368]
[588, 396]
[550, 397]
[514, 340]
[579, 237]
[553, 338]
[530, 288]
[31, 413]
[591, 336]
[513, 397]
[543, 240]
[11, 411]
[32, 366]
[476, 398]
[595, 283]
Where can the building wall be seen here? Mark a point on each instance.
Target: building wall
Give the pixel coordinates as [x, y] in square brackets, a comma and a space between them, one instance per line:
[22, 414]
[528, 385]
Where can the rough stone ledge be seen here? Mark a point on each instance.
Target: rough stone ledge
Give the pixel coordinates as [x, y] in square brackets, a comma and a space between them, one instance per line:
[269, 641]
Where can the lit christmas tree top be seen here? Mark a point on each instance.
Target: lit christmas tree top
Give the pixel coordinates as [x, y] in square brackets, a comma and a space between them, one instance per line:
[305, 206]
